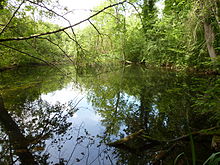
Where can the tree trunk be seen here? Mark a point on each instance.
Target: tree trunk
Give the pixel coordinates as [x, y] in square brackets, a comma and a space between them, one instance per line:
[149, 15]
[209, 37]
[16, 138]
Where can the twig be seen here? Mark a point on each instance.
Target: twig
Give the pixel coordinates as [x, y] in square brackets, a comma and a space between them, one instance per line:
[65, 54]
[26, 54]
[29, 55]
[74, 40]
[13, 15]
[78, 103]
[91, 11]
[139, 14]
[99, 154]
[62, 16]
[75, 145]
[87, 158]
[95, 27]
[50, 10]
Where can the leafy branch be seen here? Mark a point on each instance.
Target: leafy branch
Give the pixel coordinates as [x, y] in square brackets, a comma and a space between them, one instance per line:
[62, 29]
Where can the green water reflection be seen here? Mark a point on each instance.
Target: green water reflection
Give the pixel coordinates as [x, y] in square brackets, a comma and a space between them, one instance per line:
[164, 104]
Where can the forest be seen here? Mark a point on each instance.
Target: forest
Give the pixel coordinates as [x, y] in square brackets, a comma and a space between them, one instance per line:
[184, 34]
[134, 82]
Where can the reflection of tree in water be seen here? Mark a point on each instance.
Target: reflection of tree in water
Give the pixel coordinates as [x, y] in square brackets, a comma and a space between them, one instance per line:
[159, 102]
[28, 132]
[15, 138]
[45, 134]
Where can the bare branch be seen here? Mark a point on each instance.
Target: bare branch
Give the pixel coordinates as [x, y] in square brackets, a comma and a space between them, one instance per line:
[50, 10]
[13, 15]
[94, 11]
[95, 27]
[26, 54]
[77, 143]
[62, 29]
[139, 14]
[59, 15]
[37, 58]
[77, 43]
[65, 54]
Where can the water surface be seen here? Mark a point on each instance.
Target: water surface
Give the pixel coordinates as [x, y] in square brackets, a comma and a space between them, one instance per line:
[51, 117]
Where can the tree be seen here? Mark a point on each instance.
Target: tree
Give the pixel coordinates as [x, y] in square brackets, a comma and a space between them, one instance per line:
[209, 10]
[205, 22]
[149, 13]
[8, 39]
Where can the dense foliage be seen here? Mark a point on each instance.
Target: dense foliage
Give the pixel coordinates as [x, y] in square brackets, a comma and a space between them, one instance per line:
[17, 24]
[178, 33]
[184, 34]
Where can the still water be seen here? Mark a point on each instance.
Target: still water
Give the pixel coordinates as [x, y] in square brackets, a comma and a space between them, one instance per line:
[72, 116]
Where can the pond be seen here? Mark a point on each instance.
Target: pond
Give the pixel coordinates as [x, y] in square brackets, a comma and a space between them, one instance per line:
[108, 115]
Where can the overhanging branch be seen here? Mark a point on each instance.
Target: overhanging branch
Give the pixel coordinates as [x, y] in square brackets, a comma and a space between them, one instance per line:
[62, 29]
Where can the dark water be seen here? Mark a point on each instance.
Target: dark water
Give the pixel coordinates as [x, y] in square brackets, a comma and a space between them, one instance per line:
[51, 117]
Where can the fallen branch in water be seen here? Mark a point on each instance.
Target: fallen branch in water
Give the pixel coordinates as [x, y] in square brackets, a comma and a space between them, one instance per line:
[136, 141]
[139, 140]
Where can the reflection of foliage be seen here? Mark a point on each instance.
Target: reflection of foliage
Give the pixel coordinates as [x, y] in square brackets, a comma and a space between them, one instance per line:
[28, 83]
[159, 101]
[45, 127]
[38, 122]
[165, 104]
[207, 98]
[41, 119]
